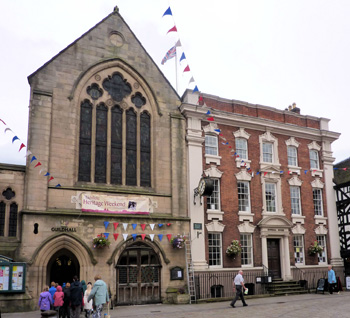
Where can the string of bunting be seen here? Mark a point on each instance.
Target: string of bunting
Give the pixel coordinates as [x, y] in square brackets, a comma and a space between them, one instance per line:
[29, 154]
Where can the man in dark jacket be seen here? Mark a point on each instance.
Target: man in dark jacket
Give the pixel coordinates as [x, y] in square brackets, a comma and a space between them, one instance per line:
[66, 304]
[76, 297]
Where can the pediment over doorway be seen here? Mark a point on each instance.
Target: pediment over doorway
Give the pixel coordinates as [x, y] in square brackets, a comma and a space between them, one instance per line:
[275, 221]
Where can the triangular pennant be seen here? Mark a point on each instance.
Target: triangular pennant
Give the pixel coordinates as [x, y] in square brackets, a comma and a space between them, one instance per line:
[51, 178]
[160, 236]
[134, 236]
[115, 236]
[195, 89]
[38, 164]
[210, 118]
[41, 170]
[182, 56]
[178, 43]
[14, 139]
[106, 235]
[208, 112]
[106, 223]
[187, 69]
[152, 226]
[169, 237]
[200, 99]
[151, 236]
[125, 236]
[46, 174]
[125, 226]
[191, 80]
[143, 226]
[143, 236]
[115, 224]
[173, 29]
[6, 129]
[57, 185]
[265, 173]
[21, 147]
[160, 224]
[2, 121]
[217, 130]
[33, 158]
[167, 12]
[134, 225]
[168, 224]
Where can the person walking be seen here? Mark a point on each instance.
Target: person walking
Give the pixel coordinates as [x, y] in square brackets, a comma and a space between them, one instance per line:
[52, 291]
[88, 304]
[238, 285]
[66, 304]
[99, 294]
[76, 297]
[58, 301]
[331, 279]
[45, 299]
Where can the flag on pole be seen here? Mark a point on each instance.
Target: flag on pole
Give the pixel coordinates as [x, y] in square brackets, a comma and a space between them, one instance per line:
[169, 55]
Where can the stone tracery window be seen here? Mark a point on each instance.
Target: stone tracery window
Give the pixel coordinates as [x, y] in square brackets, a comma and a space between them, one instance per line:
[8, 214]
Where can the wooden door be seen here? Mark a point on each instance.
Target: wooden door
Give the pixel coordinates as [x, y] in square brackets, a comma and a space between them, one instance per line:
[273, 254]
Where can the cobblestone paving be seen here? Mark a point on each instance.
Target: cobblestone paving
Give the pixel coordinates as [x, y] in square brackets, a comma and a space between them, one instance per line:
[309, 305]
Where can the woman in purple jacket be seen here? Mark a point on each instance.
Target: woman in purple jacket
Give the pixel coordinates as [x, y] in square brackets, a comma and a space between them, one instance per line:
[45, 299]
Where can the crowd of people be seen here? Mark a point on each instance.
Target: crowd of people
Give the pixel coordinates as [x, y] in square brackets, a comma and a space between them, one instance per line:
[70, 299]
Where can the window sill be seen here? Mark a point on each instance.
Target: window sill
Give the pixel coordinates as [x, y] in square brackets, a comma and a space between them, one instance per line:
[298, 219]
[266, 166]
[245, 216]
[319, 219]
[212, 159]
[294, 169]
[245, 163]
[265, 214]
[214, 214]
[316, 172]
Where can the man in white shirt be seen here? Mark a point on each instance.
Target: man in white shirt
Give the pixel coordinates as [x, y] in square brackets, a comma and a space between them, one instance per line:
[238, 285]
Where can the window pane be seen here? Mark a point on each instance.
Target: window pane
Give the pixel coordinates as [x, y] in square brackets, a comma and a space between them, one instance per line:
[243, 196]
[214, 244]
[292, 156]
[317, 197]
[211, 145]
[213, 202]
[267, 152]
[322, 257]
[101, 144]
[298, 249]
[270, 194]
[242, 148]
[247, 249]
[131, 155]
[116, 145]
[295, 200]
[314, 164]
[85, 142]
[13, 219]
[2, 218]
[145, 138]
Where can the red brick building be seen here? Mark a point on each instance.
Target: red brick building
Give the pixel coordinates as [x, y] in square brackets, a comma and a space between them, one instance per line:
[273, 189]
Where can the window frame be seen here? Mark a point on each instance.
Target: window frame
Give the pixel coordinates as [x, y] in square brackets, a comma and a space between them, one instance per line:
[322, 257]
[214, 146]
[300, 239]
[247, 249]
[275, 200]
[247, 208]
[295, 201]
[319, 200]
[269, 153]
[241, 147]
[214, 198]
[218, 260]
[314, 162]
[292, 157]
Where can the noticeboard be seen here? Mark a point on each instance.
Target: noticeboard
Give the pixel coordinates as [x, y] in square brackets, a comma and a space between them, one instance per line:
[12, 276]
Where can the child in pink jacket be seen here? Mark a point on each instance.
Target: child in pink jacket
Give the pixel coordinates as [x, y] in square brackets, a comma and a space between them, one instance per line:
[58, 300]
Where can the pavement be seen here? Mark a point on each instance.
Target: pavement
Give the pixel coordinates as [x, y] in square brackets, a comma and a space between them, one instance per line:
[306, 305]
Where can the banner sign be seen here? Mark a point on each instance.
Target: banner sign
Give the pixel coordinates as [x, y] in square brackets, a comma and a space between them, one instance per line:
[113, 204]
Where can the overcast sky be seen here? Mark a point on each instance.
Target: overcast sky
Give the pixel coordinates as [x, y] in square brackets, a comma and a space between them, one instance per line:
[270, 52]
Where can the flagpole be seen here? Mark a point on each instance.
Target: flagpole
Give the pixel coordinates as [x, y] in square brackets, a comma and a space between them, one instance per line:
[176, 68]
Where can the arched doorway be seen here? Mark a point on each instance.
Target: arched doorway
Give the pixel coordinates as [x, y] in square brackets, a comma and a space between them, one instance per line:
[62, 266]
[138, 275]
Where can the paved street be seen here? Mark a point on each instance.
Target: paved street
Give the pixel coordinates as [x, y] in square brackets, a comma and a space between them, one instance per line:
[309, 305]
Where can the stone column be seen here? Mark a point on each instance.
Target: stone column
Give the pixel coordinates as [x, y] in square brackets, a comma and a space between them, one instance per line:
[287, 271]
[265, 261]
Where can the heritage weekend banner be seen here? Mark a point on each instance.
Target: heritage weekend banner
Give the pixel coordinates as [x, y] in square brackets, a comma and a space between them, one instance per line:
[112, 204]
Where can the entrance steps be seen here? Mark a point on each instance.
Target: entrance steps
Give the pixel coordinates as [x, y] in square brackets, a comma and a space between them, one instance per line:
[278, 287]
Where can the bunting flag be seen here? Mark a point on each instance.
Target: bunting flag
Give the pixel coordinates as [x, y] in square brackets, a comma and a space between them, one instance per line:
[187, 69]
[173, 29]
[2, 121]
[178, 43]
[143, 236]
[115, 236]
[191, 80]
[160, 236]
[265, 173]
[38, 164]
[28, 153]
[183, 57]
[51, 178]
[169, 237]
[210, 118]
[33, 158]
[106, 223]
[125, 236]
[143, 226]
[200, 99]
[106, 235]
[125, 226]
[168, 224]
[6, 129]
[134, 236]
[208, 112]
[134, 225]
[14, 139]
[217, 130]
[167, 12]
[151, 236]
[160, 224]
[58, 185]
[169, 55]
[115, 224]
[46, 174]
[21, 147]
[152, 226]
[195, 89]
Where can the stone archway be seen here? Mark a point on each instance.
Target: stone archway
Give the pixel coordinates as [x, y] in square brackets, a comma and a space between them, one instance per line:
[42, 259]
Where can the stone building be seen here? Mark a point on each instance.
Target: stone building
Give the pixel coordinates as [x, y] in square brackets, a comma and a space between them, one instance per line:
[108, 156]
[273, 190]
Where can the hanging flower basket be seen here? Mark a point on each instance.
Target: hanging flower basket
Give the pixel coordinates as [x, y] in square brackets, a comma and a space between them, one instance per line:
[100, 241]
[235, 248]
[178, 241]
[314, 249]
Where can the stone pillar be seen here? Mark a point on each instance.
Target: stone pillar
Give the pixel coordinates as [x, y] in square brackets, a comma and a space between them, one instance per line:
[265, 261]
[196, 209]
[287, 271]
